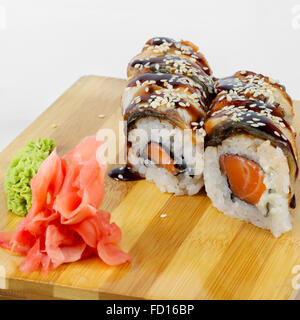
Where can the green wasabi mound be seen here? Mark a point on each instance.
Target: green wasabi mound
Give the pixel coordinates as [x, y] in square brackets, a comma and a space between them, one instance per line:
[22, 169]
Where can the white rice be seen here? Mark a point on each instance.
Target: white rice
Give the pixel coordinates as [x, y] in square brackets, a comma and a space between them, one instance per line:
[273, 162]
[159, 131]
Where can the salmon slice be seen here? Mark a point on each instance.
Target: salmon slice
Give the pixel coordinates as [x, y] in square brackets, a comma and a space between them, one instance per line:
[161, 158]
[246, 178]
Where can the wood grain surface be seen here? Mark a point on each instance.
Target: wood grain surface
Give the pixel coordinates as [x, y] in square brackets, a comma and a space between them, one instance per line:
[195, 252]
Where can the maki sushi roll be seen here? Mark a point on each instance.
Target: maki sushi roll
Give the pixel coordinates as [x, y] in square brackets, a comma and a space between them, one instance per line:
[164, 104]
[251, 154]
[165, 55]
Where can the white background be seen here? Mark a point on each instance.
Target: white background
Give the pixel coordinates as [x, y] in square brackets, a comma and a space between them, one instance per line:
[46, 45]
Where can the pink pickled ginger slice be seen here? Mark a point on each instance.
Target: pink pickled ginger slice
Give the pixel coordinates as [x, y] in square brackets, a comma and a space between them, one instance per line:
[64, 223]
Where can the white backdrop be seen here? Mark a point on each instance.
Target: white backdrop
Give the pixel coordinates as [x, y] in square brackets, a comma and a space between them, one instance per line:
[46, 45]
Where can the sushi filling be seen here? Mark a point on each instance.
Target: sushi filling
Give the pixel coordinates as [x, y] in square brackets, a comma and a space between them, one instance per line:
[162, 158]
[244, 176]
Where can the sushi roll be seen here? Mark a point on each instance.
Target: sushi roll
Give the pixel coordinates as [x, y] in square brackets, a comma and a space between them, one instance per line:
[164, 104]
[251, 154]
[165, 55]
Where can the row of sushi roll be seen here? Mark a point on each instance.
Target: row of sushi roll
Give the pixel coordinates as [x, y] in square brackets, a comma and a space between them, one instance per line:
[168, 94]
[186, 128]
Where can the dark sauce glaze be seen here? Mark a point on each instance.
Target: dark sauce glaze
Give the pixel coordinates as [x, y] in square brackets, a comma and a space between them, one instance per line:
[176, 81]
[293, 202]
[143, 61]
[156, 41]
[250, 104]
[178, 45]
[203, 82]
[167, 61]
[229, 84]
[162, 80]
[135, 107]
[172, 79]
[268, 129]
[239, 80]
[124, 173]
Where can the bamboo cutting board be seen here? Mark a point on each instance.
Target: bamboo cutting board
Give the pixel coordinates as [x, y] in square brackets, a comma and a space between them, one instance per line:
[195, 252]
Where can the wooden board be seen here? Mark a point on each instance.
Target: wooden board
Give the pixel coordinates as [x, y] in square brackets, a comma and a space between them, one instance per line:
[195, 252]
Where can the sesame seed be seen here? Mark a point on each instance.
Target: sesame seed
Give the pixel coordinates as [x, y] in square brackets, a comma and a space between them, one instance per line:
[277, 134]
[138, 100]
[282, 125]
[273, 81]
[54, 126]
[100, 116]
[163, 215]
[120, 176]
